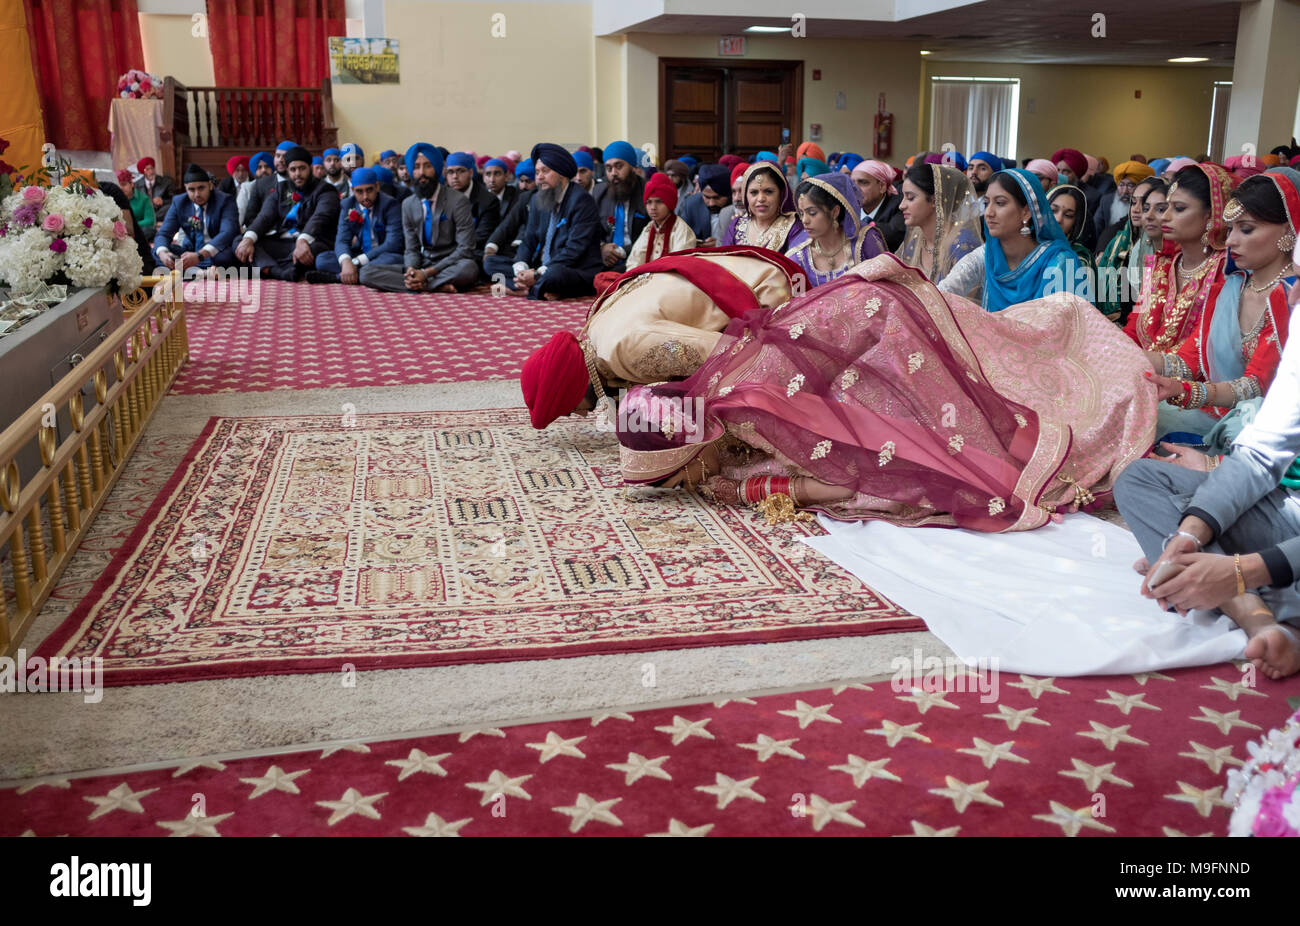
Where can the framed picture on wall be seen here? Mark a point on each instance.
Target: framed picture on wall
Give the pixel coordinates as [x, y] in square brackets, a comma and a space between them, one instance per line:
[363, 61]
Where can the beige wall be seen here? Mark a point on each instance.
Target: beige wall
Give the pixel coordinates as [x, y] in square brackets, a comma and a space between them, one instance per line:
[1092, 108]
[172, 50]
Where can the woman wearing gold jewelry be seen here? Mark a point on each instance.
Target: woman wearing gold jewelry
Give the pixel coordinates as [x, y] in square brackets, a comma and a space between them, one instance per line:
[1178, 282]
[1232, 355]
[828, 207]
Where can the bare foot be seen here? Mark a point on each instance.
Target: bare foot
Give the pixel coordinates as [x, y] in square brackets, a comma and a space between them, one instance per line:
[1141, 567]
[447, 288]
[553, 297]
[1275, 651]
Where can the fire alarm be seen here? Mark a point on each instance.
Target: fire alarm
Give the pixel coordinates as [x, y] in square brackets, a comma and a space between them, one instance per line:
[817, 74]
[1137, 94]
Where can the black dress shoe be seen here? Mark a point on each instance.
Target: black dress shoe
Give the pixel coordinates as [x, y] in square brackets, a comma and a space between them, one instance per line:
[320, 276]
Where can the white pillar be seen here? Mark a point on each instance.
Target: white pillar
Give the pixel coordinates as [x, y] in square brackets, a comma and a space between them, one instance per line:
[1265, 77]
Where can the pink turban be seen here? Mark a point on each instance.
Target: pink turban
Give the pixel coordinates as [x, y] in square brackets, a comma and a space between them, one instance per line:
[1178, 164]
[1043, 168]
[878, 169]
[1094, 165]
[514, 155]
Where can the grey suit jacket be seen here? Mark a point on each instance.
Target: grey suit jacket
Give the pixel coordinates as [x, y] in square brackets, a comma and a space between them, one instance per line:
[453, 231]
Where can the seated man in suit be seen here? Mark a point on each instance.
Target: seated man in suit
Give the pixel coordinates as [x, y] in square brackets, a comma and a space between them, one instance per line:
[297, 223]
[559, 255]
[332, 159]
[525, 178]
[494, 178]
[263, 184]
[388, 184]
[586, 177]
[200, 227]
[620, 203]
[237, 173]
[438, 232]
[499, 252]
[880, 200]
[699, 210]
[459, 174]
[370, 231]
[160, 188]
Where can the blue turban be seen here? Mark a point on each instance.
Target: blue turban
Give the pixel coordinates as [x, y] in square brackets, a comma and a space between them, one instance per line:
[958, 161]
[365, 175]
[583, 159]
[495, 162]
[258, 159]
[765, 156]
[388, 153]
[622, 151]
[460, 159]
[426, 149]
[286, 145]
[383, 175]
[850, 160]
[328, 151]
[525, 169]
[351, 148]
[318, 160]
[992, 160]
[688, 161]
[558, 159]
[1159, 165]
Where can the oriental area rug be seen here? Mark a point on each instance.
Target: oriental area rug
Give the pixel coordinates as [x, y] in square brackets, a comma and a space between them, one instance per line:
[333, 543]
[1002, 755]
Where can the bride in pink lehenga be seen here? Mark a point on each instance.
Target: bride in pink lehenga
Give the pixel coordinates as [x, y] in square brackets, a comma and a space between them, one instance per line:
[877, 396]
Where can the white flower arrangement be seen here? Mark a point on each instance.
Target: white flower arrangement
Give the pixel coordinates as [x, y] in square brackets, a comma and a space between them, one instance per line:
[1265, 793]
[58, 235]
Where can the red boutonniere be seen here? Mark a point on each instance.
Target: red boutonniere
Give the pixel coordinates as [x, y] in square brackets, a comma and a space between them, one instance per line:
[296, 197]
[610, 220]
[354, 216]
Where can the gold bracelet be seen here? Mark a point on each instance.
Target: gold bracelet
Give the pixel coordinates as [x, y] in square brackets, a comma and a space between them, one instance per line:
[1241, 578]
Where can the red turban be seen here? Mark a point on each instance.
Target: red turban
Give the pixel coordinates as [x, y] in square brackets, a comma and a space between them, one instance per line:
[141, 164]
[235, 162]
[659, 185]
[124, 179]
[554, 379]
[738, 171]
[1075, 159]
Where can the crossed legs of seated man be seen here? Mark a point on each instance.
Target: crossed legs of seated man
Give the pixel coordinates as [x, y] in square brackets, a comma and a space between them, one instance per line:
[1152, 496]
[396, 278]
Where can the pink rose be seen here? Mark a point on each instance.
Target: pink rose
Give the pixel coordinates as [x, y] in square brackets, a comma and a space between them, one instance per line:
[119, 229]
[34, 194]
[53, 222]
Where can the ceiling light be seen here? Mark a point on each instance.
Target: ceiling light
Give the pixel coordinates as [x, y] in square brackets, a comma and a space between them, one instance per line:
[1186, 60]
[768, 29]
[924, 52]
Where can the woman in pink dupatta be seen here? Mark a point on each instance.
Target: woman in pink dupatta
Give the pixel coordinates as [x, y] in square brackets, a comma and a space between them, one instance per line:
[877, 396]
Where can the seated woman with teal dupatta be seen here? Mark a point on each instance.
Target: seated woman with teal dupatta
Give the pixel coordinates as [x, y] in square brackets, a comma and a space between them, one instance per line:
[1214, 383]
[1070, 209]
[1026, 255]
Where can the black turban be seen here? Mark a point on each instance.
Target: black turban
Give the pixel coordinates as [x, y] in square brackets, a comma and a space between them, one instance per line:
[556, 158]
[297, 153]
[196, 174]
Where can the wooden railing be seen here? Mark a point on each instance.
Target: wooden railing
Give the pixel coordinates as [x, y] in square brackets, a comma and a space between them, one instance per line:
[203, 124]
[43, 522]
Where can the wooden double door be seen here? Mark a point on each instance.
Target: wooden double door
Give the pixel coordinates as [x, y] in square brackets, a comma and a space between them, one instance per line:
[709, 107]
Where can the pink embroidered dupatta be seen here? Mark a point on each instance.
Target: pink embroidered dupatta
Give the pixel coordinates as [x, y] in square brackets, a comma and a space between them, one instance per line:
[929, 408]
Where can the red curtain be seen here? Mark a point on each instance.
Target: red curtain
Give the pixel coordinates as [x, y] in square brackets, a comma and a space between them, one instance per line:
[272, 43]
[80, 48]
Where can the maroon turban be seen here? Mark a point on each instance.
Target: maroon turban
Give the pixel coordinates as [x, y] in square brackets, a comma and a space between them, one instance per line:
[1078, 163]
[141, 164]
[554, 379]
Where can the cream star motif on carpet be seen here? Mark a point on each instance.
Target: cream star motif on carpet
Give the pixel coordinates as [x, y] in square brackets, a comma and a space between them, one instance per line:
[1170, 831]
[1093, 775]
[352, 802]
[725, 701]
[190, 825]
[1143, 677]
[921, 829]
[470, 734]
[499, 783]
[435, 825]
[1126, 703]
[989, 753]
[275, 779]
[50, 783]
[586, 809]
[556, 746]
[924, 700]
[1111, 737]
[1214, 759]
[1014, 718]
[618, 715]
[344, 747]
[727, 789]
[1224, 721]
[840, 689]
[417, 761]
[120, 798]
[862, 771]
[1037, 687]
[212, 764]
[896, 732]
[638, 766]
[1071, 821]
[678, 828]
[1203, 799]
[682, 728]
[963, 795]
[766, 747]
[806, 714]
[823, 812]
[1233, 690]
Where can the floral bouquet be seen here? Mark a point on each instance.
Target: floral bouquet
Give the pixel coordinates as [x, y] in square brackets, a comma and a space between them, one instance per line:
[65, 235]
[1264, 792]
[139, 85]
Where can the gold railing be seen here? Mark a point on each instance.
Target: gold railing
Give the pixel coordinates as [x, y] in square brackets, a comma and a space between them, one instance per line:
[43, 522]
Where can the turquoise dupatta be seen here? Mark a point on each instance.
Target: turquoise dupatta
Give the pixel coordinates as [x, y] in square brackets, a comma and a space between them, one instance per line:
[1048, 268]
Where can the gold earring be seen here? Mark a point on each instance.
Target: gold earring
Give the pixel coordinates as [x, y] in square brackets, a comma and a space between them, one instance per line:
[1286, 242]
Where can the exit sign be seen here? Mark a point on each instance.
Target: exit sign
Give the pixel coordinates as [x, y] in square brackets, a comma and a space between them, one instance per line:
[731, 45]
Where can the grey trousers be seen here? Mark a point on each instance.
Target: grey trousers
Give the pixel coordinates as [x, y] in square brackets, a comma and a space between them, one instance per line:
[1153, 495]
[391, 278]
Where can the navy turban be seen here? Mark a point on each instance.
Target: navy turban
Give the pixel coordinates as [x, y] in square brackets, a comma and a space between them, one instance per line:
[716, 178]
[363, 176]
[622, 151]
[556, 158]
[426, 149]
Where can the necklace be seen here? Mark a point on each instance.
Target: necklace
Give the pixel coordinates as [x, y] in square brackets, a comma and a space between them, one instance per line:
[1184, 274]
[829, 254]
[1281, 275]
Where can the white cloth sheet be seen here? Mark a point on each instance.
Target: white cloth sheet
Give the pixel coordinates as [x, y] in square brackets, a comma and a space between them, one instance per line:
[1058, 601]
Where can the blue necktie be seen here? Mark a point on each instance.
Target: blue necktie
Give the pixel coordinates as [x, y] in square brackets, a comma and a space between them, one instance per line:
[198, 236]
[428, 223]
[550, 235]
[365, 230]
[620, 233]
